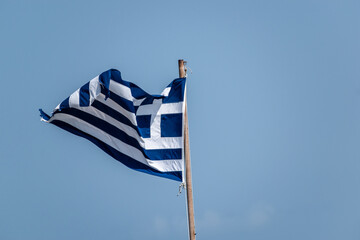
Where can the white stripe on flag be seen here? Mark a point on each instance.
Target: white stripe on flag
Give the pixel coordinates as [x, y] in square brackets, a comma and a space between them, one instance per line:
[160, 108]
[121, 90]
[74, 99]
[94, 89]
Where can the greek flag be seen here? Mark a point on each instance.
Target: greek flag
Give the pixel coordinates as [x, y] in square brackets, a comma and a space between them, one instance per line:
[142, 131]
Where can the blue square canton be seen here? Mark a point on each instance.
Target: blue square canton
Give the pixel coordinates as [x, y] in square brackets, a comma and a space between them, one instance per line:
[171, 125]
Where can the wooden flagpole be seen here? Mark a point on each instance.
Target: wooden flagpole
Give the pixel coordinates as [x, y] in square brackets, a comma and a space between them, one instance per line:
[189, 193]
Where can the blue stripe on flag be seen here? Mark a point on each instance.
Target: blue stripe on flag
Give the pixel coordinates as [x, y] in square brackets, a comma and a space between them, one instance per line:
[84, 96]
[161, 154]
[137, 92]
[64, 104]
[104, 79]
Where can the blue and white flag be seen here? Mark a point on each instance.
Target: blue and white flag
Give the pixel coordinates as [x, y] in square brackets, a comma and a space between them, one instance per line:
[142, 131]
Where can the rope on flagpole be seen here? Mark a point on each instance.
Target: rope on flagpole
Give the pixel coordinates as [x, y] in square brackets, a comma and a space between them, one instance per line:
[181, 187]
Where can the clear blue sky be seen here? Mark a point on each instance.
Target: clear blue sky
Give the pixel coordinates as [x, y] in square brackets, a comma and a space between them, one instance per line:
[274, 111]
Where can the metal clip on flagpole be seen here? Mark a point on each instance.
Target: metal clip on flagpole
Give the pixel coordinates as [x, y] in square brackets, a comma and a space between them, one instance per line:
[189, 193]
[185, 69]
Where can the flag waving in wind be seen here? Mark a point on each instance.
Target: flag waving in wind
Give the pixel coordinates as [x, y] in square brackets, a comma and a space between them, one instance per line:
[142, 131]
